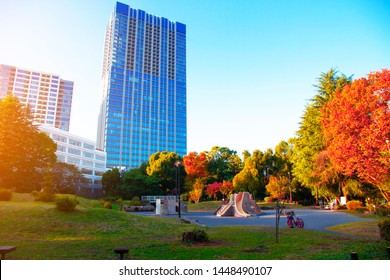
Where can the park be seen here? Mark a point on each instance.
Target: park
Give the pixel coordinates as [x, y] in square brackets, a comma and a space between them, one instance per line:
[92, 232]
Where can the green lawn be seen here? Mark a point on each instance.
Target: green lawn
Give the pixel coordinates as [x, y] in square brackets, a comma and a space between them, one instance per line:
[41, 232]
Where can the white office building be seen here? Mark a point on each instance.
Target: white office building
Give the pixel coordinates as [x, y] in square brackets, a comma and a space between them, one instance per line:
[81, 152]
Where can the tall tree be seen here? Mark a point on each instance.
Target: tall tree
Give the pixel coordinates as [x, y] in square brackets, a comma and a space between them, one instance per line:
[357, 129]
[310, 138]
[25, 153]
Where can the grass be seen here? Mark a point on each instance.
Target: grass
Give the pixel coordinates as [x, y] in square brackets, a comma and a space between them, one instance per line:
[41, 232]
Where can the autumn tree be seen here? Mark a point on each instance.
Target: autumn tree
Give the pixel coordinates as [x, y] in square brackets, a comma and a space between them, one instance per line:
[197, 192]
[195, 165]
[248, 178]
[356, 124]
[212, 190]
[278, 186]
[25, 153]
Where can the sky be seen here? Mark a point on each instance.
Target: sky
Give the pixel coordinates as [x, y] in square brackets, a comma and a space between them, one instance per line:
[251, 64]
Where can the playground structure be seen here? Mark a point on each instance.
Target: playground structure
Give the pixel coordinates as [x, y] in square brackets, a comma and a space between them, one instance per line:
[241, 204]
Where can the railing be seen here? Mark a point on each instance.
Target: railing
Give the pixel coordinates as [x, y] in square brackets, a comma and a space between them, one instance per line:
[152, 198]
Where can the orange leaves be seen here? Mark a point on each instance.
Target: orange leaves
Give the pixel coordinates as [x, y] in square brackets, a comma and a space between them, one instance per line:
[356, 125]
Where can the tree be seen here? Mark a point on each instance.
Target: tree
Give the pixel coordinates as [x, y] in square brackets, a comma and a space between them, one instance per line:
[310, 138]
[278, 187]
[247, 179]
[357, 130]
[136, 182]
[111, 181]
[195, 165]
[224, 163]
[227, 188]
[66, 178]
[214, 189]
[25, 152]
[162, 165]
[197, 191]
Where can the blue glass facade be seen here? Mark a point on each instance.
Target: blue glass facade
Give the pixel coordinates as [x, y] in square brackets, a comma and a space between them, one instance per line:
[144, 88]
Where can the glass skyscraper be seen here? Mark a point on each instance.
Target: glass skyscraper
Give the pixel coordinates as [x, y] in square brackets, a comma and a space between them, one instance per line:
[144, 105]
[49, 96]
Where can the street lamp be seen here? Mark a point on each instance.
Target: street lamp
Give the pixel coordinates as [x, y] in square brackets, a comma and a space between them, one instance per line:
[177, 164]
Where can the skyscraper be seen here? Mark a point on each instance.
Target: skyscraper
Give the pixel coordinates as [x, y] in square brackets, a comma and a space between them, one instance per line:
[144, 105]
[49, 96]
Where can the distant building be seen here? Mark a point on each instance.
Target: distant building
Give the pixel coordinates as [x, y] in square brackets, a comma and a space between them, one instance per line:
[49, 96]
[144, 93]
[80, 152]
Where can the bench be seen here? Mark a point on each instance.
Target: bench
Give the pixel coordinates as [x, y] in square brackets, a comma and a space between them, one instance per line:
[121, 251]
[6, 249]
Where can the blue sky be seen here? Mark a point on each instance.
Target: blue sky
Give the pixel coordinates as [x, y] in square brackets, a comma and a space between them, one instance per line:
[251, 64]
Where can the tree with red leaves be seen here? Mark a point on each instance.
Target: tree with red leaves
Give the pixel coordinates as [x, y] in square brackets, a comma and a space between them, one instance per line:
[356, 125]
[195, 165]
[214, 189]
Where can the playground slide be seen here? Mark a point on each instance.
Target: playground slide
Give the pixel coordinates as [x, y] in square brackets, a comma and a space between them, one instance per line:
[238, 205]
[224, 210]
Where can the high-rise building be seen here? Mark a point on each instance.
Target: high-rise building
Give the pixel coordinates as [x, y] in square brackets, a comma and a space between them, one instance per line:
[49, 96]
[144, 88]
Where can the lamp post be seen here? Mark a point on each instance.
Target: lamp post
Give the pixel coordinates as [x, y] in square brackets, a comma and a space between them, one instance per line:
[177, 164]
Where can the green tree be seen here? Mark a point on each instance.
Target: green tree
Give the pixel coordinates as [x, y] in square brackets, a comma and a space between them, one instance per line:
[310, 141]
[66, 178]
[162, 165]
[111, 181]
[136, 183]
[25, 153]
[223, 164]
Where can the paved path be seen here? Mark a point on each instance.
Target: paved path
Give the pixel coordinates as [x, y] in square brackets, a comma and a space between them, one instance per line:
[313, 219]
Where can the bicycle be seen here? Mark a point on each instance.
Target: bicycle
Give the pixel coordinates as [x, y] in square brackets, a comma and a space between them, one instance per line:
[292, 220]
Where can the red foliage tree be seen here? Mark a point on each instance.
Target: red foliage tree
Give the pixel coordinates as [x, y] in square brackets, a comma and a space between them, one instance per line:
[214, 189]
[196, 164]
[356, 125]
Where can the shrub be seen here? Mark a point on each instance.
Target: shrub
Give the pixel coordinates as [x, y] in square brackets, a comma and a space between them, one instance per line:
[268, 199]
[108, 205]
[5, 195]
[66, 204]
[197, 235]
[44, 196]
[200, 235]
[384, 229]
[351, 205]
[360, 209]
[384, 212]
[340, 207]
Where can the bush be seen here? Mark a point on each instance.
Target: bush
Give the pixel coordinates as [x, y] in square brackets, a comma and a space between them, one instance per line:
[340, 207]
[351, 205]
[44, 196]
[108, 205]
[66, 204]
[200, 235]
[361, 209]
[268, 199]
[384, 229]
[384, 212]
[5, 195]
